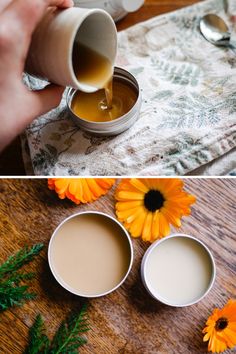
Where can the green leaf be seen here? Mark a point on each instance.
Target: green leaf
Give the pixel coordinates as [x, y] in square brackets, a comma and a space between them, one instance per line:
[162, 95]
[22, 257]
[67, 339]
[68, 336]
[181, 74]
[14, 296]
[38, 340]
[12, 292]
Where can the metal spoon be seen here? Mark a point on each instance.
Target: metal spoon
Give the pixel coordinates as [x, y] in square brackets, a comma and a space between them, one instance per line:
[215, 30]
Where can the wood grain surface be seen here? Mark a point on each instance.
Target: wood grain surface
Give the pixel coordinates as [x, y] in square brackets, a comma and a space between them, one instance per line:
[11, 163]
[127, 321]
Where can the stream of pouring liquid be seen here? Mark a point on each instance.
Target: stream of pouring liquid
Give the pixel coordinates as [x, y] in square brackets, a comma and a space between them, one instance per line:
[93, 106]
[93, 69]
[109, 93]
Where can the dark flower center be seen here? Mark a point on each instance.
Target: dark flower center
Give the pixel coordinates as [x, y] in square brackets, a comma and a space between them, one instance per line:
[221, 324]
[153, 200]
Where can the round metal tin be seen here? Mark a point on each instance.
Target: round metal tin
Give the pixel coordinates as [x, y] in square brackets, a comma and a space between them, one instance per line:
[61, 281]
[118, 125]
[148, 285]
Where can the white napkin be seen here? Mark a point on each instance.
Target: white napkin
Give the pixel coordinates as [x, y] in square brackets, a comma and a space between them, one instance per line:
[188, 115]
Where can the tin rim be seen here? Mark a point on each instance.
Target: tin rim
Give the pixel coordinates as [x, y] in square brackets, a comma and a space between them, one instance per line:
[156, 295]
[118, 73]
[62, 282]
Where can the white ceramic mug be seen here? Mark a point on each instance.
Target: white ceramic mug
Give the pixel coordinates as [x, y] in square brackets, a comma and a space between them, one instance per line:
[51, 50]
[116, 8]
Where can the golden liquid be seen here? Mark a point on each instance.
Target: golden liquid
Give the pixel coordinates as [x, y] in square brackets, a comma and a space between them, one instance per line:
[90, 67]
[94, 108]
[91, 254]
[113, 100]
[109, 93]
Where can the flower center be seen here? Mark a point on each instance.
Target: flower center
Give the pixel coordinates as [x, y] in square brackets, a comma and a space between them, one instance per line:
[221, 324]
[153, 200]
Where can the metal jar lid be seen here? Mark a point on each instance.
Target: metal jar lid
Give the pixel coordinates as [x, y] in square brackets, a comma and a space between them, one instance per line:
[115, 126]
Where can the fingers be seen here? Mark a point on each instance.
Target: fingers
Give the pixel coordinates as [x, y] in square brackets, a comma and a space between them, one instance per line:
[4, 4]
[65, 4]
[17, 24]
[41, 102]
[28, 13]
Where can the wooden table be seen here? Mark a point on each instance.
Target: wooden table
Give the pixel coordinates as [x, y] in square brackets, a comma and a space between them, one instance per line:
[11, 163]
[127, 321]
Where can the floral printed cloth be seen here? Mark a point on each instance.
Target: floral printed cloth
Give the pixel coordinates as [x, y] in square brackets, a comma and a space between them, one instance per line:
[188, 115]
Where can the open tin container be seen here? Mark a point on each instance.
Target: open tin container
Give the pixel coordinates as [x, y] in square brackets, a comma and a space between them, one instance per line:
[178, 287]
[115, 126]
[90, 226]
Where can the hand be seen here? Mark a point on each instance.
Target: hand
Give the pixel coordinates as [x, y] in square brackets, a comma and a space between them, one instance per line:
[18, 105]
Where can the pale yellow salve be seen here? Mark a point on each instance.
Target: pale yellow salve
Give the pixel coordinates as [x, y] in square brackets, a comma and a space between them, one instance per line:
[179, 270]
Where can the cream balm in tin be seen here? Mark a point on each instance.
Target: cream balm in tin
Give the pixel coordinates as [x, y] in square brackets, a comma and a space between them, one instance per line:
[178, 270]
[90, 254]
[91, 113]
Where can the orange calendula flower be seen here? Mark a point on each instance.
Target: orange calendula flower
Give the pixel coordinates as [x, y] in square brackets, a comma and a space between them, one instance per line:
[147, 207]
[220, 328]
[80, 190]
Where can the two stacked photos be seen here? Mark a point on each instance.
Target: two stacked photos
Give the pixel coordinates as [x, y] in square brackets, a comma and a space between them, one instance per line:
[118, 187]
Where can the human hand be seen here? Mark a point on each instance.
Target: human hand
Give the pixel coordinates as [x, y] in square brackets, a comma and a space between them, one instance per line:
[18, 105]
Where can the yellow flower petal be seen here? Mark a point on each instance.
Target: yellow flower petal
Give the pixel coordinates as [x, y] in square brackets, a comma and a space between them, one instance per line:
[146, 234]
[128, 205]
[126, 214]
[105, 183]
[170, 186]
[170, 205]
[136, 227]
[220, 330]
[164, 226]
[80, 190]
[155, 226]
[171, 217]
[124, 195]
[137, 183]
[94, 187]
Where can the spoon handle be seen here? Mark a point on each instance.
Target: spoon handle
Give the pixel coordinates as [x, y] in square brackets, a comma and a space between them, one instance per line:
[226, 6]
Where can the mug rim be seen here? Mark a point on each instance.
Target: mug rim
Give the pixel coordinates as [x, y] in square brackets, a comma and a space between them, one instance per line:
[158, 296]
[62, 282]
